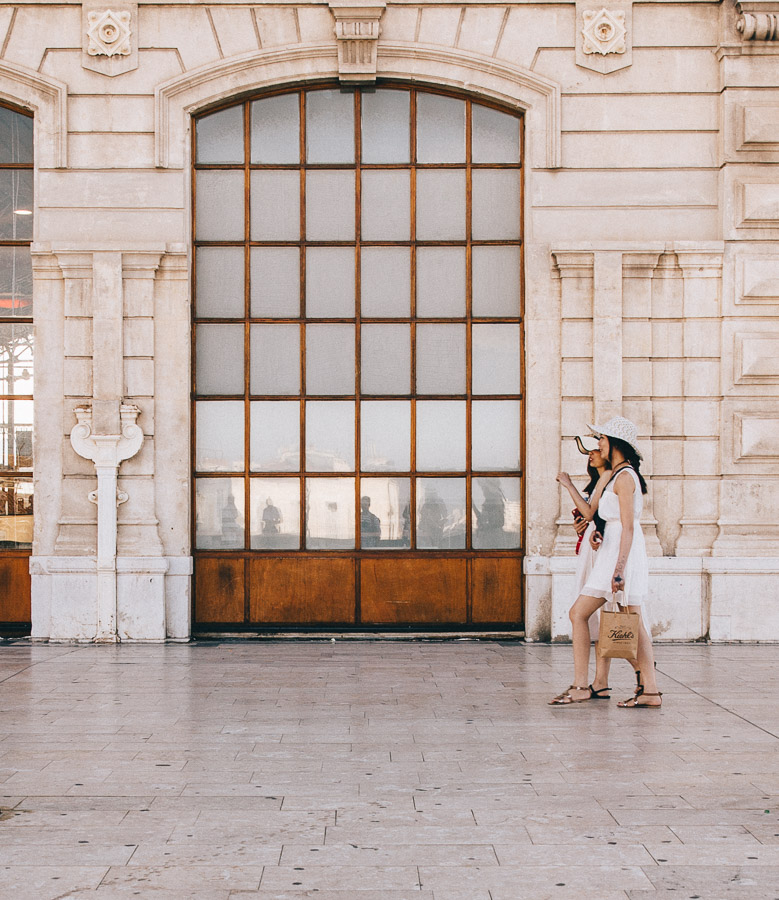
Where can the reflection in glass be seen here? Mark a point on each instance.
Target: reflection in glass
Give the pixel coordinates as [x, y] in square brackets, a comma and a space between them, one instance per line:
[15, 436]
[495, 205]
[330, 436]
[440, 129]
[385, 282]
[275, 359]
[275, 282]
[16, 204]
[385, 513]
[495, 281]
[16, 358]
[386, 359]
[495, 508]
[385, 127]
[219, 205]
[275, 130]
[15, 281]
[330, 359]
[274, 436]
[495, 136]
[386, 205]
[330, 513]
[329, 127]
[440, 359]
[330, 282]
[495, 359]
[441, 435]
[275, 205]
[441, 205]
[385, 435]
[219, 282]
[219, 513]
[330, 200]
[441, 518]
[219, 359]
[275, 513]
[494, 435]
[219, 436]
[15, 137]
[441, 281]
[220, 136]
[16, 513]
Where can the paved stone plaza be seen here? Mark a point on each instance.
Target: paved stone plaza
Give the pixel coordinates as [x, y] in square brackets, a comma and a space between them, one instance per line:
[383, 771]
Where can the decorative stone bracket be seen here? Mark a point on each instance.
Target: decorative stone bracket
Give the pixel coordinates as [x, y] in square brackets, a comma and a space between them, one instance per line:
[357, 32]
[107, 451]
[758, 20]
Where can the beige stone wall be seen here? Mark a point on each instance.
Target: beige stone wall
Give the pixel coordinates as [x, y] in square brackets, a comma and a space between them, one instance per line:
[652, 272]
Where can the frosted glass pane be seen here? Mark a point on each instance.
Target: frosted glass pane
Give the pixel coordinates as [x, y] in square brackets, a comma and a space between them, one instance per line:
[495, 205]
[219, 513]
[385, 282]
[275, 282]
[16, 279]
[385, 127]
[440, 205]
[495, 351]
[494, 435]
[16, 193]
[219, 359]
[330, 435]
[219, 282]
[16, 137]
[386, 359]
[440, 129]
[330, 359]
[16, 342]
[385, 513]
[441, 359]
[496, 517]
[276, 130]
[330, 282]
[495, 281]
[274, 444]
[441, 518]
[219, 436]
[220, 136]
[385, 435]
[275, 359]
[386, 205]
[329, 127]
[441, 281]
[275, 205]
[275, 513]
[495, 136]
[441, 436]
[329, 513]
[219, 206]
[330, 201]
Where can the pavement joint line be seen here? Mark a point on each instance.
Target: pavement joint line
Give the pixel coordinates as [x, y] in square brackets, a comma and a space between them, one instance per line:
[38, 663]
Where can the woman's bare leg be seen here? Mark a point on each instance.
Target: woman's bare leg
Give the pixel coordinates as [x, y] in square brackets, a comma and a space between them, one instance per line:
[646, 664]
[579, 615]
[602, 669]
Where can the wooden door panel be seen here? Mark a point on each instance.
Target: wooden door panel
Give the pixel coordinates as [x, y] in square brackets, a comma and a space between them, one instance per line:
[424, 591]
[496, 590]
[302, 590]
[15, 589]
[219, 590]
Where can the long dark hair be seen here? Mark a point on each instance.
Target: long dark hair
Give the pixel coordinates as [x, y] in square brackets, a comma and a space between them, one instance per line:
[594, 476]
[631, 456]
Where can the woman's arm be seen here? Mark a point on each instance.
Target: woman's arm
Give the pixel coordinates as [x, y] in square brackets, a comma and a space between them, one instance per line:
[588, 510]
[624, 488]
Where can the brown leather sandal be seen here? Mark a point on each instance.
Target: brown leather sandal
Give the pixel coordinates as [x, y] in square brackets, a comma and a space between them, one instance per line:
[565, 698]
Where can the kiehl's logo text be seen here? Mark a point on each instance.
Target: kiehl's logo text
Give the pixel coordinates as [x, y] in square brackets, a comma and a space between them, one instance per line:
[616, 635]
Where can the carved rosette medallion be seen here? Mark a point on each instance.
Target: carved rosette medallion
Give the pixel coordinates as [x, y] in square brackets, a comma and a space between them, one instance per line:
[604, 31]
[109, 33]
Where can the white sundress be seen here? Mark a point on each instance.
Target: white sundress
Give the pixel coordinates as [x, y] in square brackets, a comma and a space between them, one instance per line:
[584, 563]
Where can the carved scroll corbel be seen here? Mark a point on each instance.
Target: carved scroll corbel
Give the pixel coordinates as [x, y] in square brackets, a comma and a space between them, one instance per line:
[759, 26]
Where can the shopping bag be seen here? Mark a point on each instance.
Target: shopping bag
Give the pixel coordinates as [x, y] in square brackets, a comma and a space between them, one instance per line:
[618, 634]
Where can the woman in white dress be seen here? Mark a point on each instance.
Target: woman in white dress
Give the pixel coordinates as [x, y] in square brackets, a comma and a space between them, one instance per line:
[620, 564]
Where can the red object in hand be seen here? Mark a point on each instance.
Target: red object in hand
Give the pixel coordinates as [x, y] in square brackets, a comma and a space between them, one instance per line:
[576, 516]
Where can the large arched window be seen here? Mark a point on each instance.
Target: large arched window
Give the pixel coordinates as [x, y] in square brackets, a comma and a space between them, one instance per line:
[357, 331]
[16, 365]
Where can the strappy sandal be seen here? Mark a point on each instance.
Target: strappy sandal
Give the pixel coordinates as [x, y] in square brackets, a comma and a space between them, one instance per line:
[596, 695]
[565, 698]
[633, 703]
[636, 693]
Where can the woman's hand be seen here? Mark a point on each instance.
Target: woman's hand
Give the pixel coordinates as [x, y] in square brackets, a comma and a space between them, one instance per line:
[618, 581]
[580, 524]
[595, 539]
[564, 478]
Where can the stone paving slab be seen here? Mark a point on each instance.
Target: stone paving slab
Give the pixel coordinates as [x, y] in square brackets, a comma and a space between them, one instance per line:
[382, 771]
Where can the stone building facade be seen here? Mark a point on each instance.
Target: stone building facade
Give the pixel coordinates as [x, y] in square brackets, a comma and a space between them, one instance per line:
[647, 279]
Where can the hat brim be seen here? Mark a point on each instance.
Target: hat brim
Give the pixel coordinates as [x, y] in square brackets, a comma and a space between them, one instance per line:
[582, 447]
[600, 434]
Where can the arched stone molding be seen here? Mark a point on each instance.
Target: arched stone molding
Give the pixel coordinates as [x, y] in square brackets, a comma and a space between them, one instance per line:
[514, 86]
[48, 99]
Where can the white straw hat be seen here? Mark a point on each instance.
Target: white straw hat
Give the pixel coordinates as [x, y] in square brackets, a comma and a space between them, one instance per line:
[618, 427]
